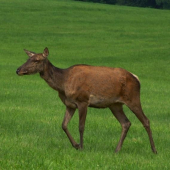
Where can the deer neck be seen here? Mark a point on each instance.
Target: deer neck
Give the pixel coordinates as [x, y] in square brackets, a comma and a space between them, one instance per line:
[53, 76]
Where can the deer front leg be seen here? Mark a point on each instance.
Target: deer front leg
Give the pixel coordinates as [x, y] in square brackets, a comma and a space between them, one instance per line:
[82, 107]
[68, 115]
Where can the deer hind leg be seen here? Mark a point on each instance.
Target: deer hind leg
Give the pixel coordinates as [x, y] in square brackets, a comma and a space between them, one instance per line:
[117, 111]
[68, 115]
[137, 110]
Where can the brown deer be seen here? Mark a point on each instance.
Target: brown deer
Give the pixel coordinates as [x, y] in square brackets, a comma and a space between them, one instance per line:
[82, 86]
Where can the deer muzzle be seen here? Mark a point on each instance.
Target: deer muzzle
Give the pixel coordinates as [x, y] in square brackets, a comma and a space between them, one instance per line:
[20, 73]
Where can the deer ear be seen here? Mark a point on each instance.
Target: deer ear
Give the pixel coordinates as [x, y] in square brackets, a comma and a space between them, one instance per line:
[46, 52]
[29, 53]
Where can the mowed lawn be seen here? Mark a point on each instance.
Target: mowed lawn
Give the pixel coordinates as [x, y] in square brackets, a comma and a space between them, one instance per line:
[31, 114]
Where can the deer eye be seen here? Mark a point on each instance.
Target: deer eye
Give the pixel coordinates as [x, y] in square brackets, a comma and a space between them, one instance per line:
[36, 61]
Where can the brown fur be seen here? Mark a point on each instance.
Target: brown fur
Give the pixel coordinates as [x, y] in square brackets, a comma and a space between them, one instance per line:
[82, 86]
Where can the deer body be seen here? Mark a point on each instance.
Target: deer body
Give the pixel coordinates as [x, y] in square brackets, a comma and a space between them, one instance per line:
[83, 86]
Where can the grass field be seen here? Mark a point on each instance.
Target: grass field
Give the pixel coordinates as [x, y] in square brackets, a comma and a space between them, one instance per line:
[137, 39]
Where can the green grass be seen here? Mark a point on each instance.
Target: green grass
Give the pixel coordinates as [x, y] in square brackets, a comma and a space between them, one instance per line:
[31, 113]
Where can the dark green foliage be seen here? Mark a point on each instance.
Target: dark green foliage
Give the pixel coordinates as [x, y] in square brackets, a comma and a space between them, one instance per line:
[165, 4]
[141, 3]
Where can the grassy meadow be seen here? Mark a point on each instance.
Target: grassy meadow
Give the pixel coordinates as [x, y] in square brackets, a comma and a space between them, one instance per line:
[31, 114]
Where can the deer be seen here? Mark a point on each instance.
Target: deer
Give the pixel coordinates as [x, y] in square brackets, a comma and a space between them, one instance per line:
[81, 86]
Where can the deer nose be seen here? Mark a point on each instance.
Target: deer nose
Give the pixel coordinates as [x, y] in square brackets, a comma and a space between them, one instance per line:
[17, 70]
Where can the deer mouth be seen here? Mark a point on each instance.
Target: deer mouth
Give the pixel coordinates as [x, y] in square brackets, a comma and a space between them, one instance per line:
[25, 73]
[20, 73]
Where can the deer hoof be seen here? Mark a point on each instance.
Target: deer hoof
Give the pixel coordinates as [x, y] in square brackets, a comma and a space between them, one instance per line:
[154, 151]
[77, 146]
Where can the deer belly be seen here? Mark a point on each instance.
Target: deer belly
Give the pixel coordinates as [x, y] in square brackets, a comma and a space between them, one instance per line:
[100, 102]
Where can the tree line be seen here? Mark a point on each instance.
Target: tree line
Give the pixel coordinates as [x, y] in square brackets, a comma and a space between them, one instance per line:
[161, 4]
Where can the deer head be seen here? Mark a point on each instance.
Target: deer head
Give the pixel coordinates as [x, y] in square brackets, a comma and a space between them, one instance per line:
[35, 63]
